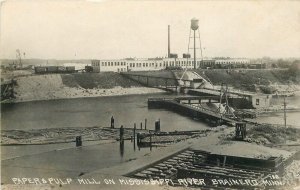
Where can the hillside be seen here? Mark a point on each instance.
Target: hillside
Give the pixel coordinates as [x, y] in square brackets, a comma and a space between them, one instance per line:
[155, 81]
[77, 85]
[105, 80]
[250, 79]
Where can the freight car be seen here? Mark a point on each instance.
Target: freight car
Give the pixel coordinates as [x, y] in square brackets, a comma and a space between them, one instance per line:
[54, 69]
[92, 69]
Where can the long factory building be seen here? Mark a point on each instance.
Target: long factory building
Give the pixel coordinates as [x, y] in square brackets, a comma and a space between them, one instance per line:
[132, 64]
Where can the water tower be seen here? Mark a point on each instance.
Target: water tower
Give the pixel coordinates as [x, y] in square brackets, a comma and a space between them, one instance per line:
[194, 28]
[194, 24]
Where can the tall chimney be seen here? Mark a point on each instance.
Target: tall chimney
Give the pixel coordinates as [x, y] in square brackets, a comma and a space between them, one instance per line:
[168, 41]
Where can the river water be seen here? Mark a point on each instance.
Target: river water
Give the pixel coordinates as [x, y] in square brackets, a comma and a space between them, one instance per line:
[127, 110]
[20, 161]
[293, 118]
[88, 112]
[58, 160]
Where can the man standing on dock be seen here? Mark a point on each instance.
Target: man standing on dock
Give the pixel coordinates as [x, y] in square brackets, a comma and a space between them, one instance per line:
[112, 122]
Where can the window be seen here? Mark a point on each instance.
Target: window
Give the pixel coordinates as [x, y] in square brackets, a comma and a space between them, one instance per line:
[257, 101]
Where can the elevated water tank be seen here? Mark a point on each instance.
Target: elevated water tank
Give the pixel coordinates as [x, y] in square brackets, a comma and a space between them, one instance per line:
[194, 24]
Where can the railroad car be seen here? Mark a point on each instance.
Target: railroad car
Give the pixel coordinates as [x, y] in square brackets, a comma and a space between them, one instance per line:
[54, 69]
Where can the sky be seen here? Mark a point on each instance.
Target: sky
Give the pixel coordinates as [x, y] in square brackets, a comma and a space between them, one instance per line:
[107, 29]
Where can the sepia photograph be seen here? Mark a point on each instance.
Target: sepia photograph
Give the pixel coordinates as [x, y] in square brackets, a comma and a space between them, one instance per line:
[150, 94]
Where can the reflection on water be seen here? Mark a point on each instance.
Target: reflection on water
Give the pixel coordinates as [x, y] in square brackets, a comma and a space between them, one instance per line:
[293, 118]
[127, 110]
[87, 112]
[122, 148]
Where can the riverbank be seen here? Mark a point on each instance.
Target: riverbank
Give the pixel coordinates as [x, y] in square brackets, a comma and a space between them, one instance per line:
[61, 135]
[58, 86]
[68, 93]
[78, 85]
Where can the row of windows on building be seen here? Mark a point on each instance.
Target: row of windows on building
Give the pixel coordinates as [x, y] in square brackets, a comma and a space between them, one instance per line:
[160, 64]
[231, 62]
[108, 63]
[164, 63]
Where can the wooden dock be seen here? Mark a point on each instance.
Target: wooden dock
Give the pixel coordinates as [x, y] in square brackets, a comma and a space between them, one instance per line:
[190, 110]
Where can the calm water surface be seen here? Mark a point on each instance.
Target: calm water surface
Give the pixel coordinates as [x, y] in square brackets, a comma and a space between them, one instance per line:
[127, 110]
[88, 112]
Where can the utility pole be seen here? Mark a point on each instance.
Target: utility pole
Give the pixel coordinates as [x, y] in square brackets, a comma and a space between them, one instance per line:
[194, 49]
[284, 113]
[169, 51]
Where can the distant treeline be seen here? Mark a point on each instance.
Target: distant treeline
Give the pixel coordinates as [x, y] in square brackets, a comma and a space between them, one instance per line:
[35, 62]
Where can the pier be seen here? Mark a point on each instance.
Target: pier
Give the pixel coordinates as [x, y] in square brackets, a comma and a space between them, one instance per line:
[236, 98]
[190, 110]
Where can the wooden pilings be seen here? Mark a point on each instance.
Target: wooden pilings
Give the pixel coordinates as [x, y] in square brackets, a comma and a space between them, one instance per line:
[137, 134]
[122, 141]
[78, 141]
[112, 122]
[150, 141]
[134, 131]
[121, 134]
[157, 126]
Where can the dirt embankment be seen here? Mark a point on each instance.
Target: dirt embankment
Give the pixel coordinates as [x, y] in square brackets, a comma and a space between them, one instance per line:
[266, 81]
[156, 78]
[63, 86]
[262, 81]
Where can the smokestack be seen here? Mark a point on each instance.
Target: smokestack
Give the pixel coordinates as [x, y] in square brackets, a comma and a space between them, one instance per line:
[168, 41]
